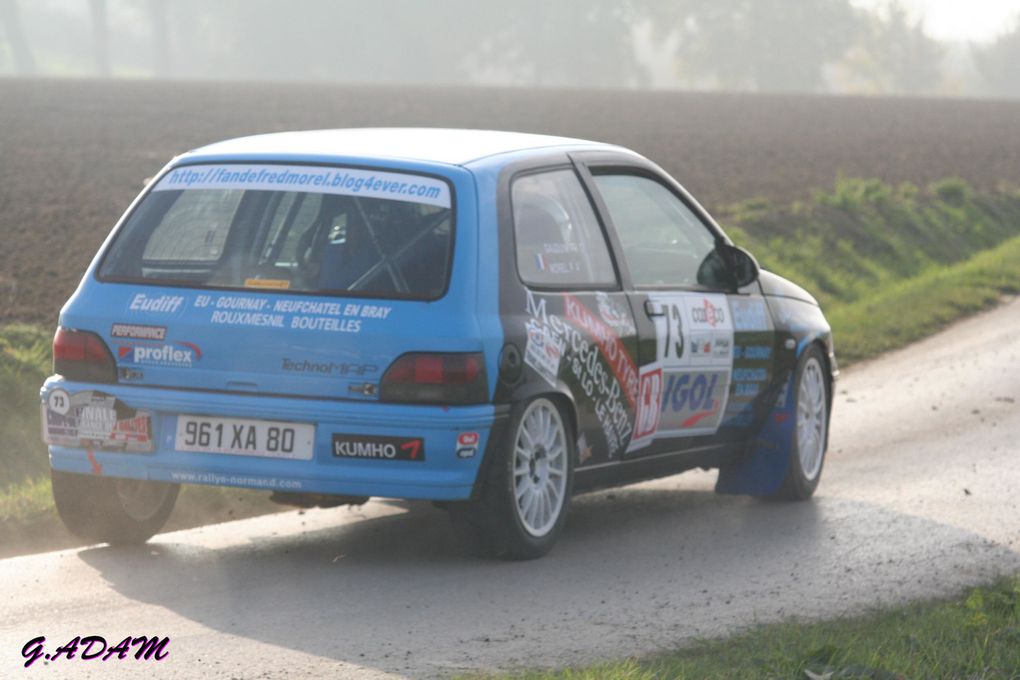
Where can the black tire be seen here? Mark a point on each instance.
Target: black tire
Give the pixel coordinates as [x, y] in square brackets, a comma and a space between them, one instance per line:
[492, 525]
[800, 482]
[110, 510]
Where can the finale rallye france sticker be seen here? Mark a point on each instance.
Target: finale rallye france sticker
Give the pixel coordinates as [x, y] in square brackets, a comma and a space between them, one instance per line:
[92, 418]
[378, 448]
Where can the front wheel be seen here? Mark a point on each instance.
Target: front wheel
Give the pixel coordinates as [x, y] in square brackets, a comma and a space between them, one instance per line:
[811, 392]
[524, 501]
[111, 510]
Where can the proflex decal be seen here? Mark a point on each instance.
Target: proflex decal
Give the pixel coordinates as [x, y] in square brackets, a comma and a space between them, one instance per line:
[683, 392]
[588, 349]
[86, 419]
[175, 355]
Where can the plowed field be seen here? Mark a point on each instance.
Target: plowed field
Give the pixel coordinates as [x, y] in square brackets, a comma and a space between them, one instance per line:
[74, 153]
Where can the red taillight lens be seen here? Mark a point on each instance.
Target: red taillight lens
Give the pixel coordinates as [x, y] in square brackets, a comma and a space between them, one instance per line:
[82, 356]
[436, 379]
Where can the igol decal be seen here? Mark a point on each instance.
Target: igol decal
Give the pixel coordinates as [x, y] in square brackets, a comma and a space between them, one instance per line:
[683, 392]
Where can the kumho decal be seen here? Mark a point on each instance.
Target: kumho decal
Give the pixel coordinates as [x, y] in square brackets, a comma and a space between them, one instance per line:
[379, 448]
[693, 402]
[178, 354]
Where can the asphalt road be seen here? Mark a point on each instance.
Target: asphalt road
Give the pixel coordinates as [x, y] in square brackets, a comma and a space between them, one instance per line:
[918, 499]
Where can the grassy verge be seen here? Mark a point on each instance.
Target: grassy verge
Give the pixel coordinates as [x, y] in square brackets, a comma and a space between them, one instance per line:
[909, 310]
[974, 636]
[889, 265]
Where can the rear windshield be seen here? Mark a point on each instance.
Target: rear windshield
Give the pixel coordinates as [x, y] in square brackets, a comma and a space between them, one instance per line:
[295, 228]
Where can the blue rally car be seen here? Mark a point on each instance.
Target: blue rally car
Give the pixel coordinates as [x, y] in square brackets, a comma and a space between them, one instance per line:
[490, 320]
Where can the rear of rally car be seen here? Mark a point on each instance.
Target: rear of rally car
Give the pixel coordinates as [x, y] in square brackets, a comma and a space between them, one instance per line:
[308, 328]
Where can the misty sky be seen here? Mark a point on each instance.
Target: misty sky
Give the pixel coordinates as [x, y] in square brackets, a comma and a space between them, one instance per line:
[972, 20]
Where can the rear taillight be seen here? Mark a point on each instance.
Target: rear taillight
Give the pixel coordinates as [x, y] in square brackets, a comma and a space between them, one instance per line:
[83, 357]
[436, 379]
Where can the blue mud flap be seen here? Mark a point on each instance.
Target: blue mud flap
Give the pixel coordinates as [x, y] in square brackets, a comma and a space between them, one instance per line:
[761, 472]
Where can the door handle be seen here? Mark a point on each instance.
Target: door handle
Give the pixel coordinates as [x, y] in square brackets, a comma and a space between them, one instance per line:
[652, 309]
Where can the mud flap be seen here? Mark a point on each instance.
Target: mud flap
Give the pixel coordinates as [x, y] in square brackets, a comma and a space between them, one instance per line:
[762, 470]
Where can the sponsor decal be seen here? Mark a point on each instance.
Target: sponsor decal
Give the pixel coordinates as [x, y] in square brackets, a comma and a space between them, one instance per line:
[753, 352]
[615, 315]
[684, 391]
[323, 180]
[189, 477]
[692, 330]
[378, 448]
[306, 315]
[59, 401]
[616, 355]
[160, 304]
[274, 284]
[327, 367]
[595, 359]
[95, 419]
[138, 332]
[544, 351]
[693, 403]
[172, 355]
[708, 313]
[649, 404]
[746, 389]
[749, 314]
[467, 444]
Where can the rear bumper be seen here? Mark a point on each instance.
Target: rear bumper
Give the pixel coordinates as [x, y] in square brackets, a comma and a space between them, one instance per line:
[442, 475]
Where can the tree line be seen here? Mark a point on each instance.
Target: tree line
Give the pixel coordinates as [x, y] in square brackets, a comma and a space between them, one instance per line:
[748, 45]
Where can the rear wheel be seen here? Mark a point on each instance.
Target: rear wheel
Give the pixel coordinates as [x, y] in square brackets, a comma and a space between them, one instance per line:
[111, 510]
[811, 392]
[525, 498]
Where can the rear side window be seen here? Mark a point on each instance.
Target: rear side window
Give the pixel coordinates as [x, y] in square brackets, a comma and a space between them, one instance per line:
[559, 240]
[297, 228]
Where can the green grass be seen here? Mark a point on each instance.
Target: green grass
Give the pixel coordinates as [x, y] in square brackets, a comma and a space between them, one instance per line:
[908, 310]
[865, 236]
[974, 636]
[24, 364]
[26, 501]
[888, 264]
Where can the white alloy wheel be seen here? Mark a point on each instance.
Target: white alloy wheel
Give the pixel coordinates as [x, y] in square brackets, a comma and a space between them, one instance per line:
[540, 467]
[811, 418]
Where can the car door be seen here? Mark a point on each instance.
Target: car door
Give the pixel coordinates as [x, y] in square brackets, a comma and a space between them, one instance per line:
[705, 349]
[563, 306]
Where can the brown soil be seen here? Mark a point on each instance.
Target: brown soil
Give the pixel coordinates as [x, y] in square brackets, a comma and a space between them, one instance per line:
[73, 153]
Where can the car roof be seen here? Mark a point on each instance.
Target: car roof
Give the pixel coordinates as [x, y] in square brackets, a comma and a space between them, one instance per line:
[436, 145]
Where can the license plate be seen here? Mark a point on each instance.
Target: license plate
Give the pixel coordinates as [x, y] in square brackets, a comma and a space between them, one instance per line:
[243, 437]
